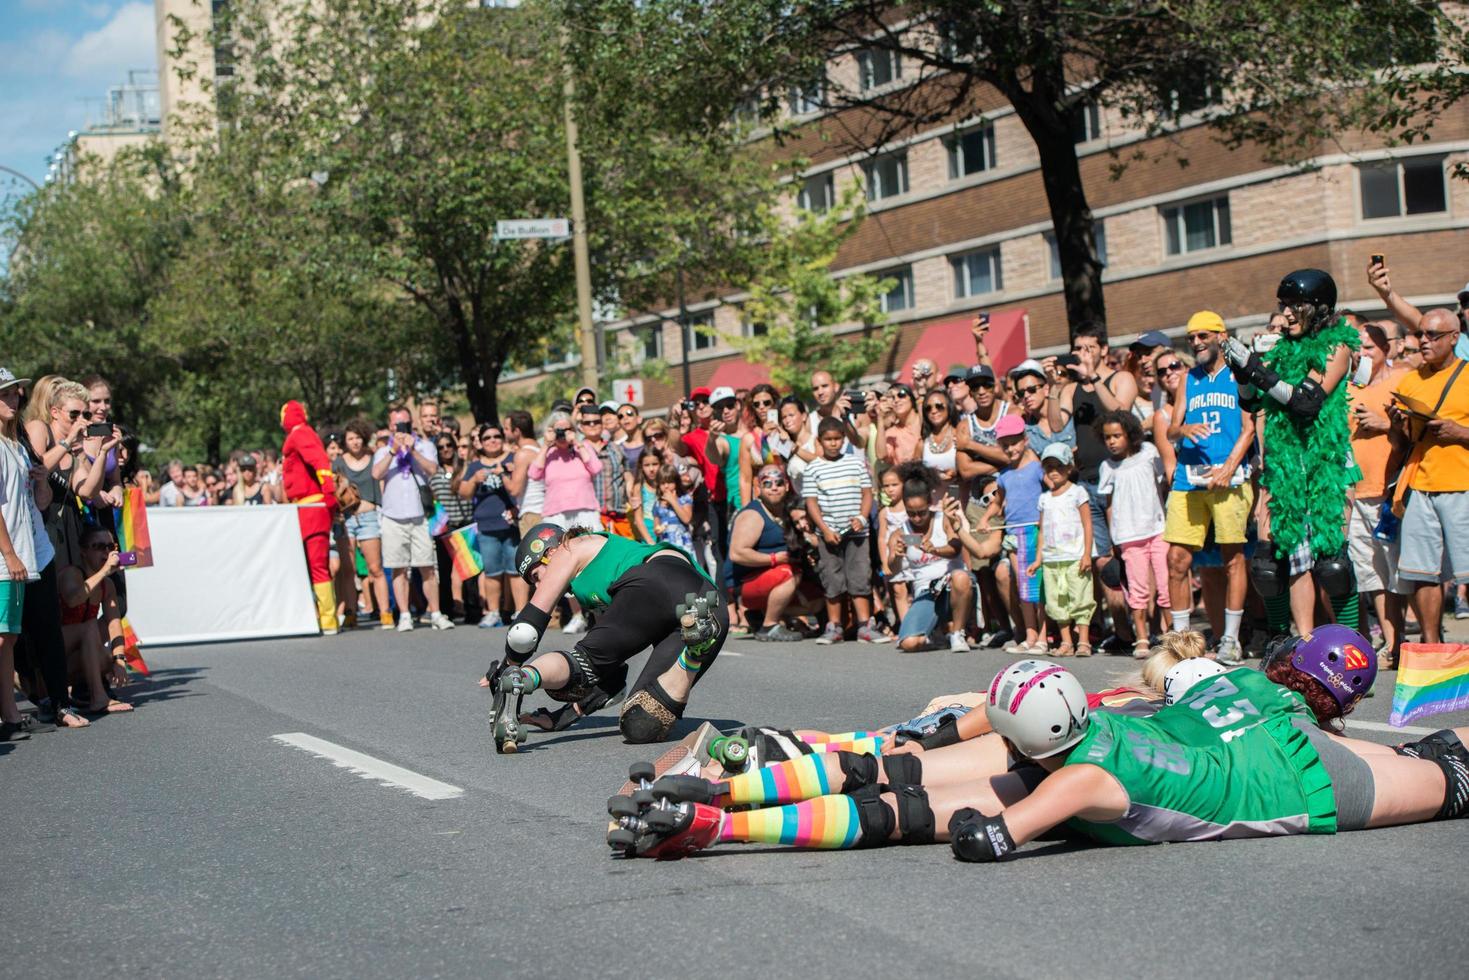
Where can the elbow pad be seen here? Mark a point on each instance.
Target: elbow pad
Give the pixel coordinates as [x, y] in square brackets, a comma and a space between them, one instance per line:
[976, 837]
[1305, 399]
[525, 633]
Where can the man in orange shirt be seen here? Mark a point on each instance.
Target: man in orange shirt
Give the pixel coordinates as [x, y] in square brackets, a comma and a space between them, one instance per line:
[1431, 419]
[1375, 560]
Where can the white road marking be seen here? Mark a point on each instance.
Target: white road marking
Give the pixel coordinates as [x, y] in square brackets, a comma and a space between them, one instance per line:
[1379, 726]
[369, 768]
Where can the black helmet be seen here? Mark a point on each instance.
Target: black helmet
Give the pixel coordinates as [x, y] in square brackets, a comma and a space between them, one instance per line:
[534, 545]
[1308, 286]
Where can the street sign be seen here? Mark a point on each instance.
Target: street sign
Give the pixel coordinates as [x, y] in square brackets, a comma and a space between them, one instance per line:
[628, 390]
[532, 228]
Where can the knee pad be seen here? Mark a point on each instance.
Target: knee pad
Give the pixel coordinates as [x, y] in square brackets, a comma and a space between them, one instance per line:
[857, 770]
[1270, 574]
[915, 816]
[583, 681]
[1441, 743]
[1444, 750]
[648, 716]
[1335, 574]
[874, 818]
[907, 769]
[1111, 574]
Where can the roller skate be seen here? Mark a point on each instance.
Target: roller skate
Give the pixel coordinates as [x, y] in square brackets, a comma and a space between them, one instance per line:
[697, 622]
[508, 686]
[730, 751]
[655, 822]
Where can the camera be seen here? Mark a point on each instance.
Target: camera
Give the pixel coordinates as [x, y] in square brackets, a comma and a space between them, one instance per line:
[561, 434]
[127, 559]
[858, 400]
[1068, 362]
[403, 427]
[99, 430]
[688, 406]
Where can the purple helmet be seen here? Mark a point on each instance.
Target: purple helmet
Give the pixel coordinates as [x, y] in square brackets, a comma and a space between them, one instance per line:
[1341, 659]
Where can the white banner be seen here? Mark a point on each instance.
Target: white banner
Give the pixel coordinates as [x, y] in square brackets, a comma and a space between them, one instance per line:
[222, 573]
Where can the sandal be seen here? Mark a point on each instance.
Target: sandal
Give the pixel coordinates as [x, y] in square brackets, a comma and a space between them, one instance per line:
[69, 719]
[1141, 650]
[1083, 649]
[1065, 650]
[551, 721]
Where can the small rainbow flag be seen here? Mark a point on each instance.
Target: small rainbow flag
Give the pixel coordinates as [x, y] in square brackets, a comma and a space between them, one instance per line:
[1432, 678]
[130, 649]
[438, 522]
[132, 528]
[463, 547]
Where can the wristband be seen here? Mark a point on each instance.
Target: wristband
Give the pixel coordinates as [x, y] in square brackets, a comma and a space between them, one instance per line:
[772, 561]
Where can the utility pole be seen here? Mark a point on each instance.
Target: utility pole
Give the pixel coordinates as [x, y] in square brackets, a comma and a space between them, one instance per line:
[683, 331]
[586, 330]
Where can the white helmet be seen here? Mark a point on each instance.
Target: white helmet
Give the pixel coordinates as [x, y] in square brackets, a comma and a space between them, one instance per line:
[1039, 706]
[1185, 674]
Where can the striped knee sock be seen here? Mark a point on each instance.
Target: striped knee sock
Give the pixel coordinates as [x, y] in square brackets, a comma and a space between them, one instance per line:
[785, 782]
[689, 662]
[827, 822]
[864, 745]
[1277, 613]
[1347, 610]
[532, 679]
[821, 738]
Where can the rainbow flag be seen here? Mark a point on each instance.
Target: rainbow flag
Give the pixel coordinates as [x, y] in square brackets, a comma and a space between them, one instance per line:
[130, 649]
[1432, 678]
[438, 522]
[463, 547]
[132, 528]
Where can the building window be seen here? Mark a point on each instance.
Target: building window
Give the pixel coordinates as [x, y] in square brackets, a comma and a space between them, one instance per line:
[1196, 226]
[754, 328]
[900, 296]
[972, 151]
[1099, 237]
[1086, 122]
[877, 67]
[747, 109]
[818, 193]
[650, 342]
[977, 273]
[701, 331]
[805, 99]
[1399, 187]
[887, 176]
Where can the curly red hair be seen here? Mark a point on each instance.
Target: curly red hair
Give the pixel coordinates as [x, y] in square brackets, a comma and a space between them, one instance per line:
[1318, 699]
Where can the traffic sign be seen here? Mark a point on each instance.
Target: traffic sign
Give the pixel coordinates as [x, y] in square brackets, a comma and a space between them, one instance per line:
[628, 390]
[532, 228]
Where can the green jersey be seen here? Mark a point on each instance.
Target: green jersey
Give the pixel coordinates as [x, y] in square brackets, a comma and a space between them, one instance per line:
[1182, 784]
[1226, 706]
[592, 586]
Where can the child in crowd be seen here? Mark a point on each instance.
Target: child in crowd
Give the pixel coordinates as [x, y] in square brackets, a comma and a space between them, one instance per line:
[1064, 538]
[889, 519]
[672, 511]
[1017, 493]
[1133, 485]
[642, 493]
[838, 491]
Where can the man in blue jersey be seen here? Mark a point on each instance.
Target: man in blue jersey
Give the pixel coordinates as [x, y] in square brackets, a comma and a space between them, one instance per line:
[1211, 483]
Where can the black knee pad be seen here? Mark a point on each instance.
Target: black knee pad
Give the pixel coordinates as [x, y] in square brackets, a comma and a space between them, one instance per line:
[648, 715]
[903, 769]
[874, 817]
[1335, 574]
[1270, 574]
[1111, 574]
[1436, 746]
[1444, 749]
[857, 770]
[583, 681]
[915, 816]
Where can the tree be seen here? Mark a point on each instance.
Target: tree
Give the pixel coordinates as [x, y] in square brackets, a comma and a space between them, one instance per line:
[1288, 76]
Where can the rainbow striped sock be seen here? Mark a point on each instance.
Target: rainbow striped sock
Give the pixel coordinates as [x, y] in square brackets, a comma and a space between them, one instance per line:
[821, 738]
[689, 663]
[532, 679]
[827, 822]
[785, 782]
[866, 745]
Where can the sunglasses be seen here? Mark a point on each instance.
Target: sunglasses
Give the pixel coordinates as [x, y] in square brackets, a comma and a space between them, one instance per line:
[75, 413]
[936, 407]
[1027, 392]
[627, 415]
[1428, 337]
[903, 390]
[1170, 368]
[773, 482]
[590, 422]
[490, 435]
[762, 403]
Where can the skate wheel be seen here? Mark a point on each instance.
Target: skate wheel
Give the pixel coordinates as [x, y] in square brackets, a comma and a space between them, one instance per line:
[622, 839]
[643, 799]
[662, 820]
[641, 772]
[736, 750]
[622, 806]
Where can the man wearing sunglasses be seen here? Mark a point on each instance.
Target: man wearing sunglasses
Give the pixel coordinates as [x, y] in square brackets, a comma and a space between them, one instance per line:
[1431, 424]
[1032, 389]
[767, 578]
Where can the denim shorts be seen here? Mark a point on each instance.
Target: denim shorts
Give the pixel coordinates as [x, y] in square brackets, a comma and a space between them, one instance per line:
[497, 551]
[364, 526]
[924, 615]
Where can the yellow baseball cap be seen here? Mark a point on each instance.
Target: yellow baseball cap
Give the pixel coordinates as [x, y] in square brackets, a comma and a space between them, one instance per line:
[1206, 321]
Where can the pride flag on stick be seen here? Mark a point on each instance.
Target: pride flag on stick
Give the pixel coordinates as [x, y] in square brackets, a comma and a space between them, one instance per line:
[463, 547]
[1432, 678]
[132, 528]
[131, 652]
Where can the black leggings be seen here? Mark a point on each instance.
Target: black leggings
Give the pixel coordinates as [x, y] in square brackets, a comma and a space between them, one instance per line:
[42, 649]
[643, 613]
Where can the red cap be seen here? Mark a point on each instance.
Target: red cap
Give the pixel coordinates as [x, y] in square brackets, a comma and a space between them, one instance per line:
[700, 392]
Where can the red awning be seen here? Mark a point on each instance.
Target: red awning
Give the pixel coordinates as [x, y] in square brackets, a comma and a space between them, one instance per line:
[950, 344]
[739, 373]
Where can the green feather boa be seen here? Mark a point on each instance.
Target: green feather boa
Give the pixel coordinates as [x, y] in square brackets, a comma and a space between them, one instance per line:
[1308, 465]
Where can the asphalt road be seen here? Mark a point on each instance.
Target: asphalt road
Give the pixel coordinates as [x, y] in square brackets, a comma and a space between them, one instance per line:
[184, 840]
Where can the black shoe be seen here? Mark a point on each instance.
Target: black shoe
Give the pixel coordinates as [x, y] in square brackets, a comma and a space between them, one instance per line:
[13, 731]
[32, 725]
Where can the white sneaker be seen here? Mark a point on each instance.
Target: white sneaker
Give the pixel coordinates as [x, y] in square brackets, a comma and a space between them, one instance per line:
[957, 643]
[440, 622]
[578, 624]
[1229, 652]
[405, 623]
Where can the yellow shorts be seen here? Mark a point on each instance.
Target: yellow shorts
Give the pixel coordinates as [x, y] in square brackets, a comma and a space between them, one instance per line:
[1190, 512]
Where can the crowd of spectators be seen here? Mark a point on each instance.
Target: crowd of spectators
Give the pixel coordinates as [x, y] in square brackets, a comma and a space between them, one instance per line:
[1058, 506]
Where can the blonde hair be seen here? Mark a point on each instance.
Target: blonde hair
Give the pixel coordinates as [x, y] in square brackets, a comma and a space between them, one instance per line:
[62, 392]
[38, 408]
[1175, 647]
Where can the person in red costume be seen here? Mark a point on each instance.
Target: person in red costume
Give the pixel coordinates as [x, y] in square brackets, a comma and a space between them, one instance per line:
[306, 478]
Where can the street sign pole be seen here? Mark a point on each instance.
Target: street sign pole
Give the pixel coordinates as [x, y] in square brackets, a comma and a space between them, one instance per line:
[586, 329]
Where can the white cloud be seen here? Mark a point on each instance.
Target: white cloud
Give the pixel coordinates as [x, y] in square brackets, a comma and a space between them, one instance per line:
[126, 41]
[97, 10]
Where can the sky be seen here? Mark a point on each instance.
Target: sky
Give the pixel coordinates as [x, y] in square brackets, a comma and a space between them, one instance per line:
[53, 55]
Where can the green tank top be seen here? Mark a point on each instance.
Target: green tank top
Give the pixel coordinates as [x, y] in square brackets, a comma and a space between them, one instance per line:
[592, 586]
[1219, 708]
[732, 473]
[1264, 781]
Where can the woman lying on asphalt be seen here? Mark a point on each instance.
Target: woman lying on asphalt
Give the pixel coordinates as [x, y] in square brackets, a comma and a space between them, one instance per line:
[1241, 754]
